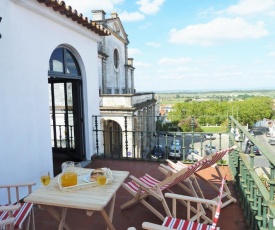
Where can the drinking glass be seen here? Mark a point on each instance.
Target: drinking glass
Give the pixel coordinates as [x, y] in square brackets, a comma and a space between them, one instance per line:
[67, 164]
[77, 166]
[101, 178]
[45, 178]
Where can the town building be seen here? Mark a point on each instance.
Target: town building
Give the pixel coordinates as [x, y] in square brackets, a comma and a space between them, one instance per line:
[59, 72]
[49, 86]
[124, 113]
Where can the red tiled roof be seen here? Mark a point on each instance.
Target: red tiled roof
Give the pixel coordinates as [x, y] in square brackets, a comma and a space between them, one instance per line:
[61, 7]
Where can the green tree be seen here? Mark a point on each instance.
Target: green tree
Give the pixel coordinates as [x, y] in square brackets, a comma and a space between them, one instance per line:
[186, 125]
[215, 112]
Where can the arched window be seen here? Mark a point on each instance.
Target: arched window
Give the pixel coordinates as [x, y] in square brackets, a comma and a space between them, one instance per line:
[116, 59]
[63, 63]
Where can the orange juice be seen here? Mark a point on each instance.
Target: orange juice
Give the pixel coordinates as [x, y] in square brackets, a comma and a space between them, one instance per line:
[101, 179]
[45, 180]
[69, 179]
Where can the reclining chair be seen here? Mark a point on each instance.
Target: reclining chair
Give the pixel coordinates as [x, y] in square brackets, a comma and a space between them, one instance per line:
[213, 158]
[145, 186]
[171, 222]
[13, 214]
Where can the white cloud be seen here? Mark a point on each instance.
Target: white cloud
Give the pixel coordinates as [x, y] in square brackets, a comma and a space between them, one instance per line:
[150, 6]
[272, 54]
[153, 44]
[248, 7]
[182, 69]
[174, 61]
[218, 31]
[141, 64]
[133, 51]
[258, 61]
[134, 16]
[227, 67]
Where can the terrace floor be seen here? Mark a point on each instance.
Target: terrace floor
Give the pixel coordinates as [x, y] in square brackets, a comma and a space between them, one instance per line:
[231, 217]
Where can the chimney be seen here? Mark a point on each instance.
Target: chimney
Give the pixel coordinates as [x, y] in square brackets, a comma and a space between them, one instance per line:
[98, 15]
[114, 15]
[130, 61]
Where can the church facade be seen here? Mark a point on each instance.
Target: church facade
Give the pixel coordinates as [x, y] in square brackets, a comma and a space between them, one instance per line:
[125, 115]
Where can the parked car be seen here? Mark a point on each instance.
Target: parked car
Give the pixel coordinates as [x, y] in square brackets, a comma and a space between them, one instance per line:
[209, 136]
[158, 151]
[175, 150]
[256, 150]
[237, 137]
[271, 141]
[188, 155]
[208, 149]
[175, 142]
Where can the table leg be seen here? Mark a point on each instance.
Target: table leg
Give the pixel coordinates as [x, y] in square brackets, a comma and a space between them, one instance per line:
[57, 216]
[63, 216]
[111, 212]
[109, 219]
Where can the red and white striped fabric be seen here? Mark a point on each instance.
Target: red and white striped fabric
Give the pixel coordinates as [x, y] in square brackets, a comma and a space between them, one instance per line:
[148, 180]
[189, 172]
[215, 158]
[151, 182]
[179, 224]
[19, 215]
[218, 210]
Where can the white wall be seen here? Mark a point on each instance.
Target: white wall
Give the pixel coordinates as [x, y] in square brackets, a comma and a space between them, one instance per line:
[29, 37]
[115, 78]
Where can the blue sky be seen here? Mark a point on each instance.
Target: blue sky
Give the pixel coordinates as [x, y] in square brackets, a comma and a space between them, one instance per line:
[196, 44]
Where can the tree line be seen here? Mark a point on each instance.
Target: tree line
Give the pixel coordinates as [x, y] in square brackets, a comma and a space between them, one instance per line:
[213, 112]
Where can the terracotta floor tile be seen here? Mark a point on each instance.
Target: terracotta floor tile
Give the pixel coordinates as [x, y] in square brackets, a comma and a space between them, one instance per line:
[231, 217]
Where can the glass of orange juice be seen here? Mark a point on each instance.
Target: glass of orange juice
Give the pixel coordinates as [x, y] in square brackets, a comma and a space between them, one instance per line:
[45, 178]
[101, 178]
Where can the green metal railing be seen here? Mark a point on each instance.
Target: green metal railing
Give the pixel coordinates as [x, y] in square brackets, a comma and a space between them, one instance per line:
[256, 195]
[123, 142]
[257, 198]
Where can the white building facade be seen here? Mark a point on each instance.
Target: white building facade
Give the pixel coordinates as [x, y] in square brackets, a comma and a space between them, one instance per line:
[48, 69]
[127, 119]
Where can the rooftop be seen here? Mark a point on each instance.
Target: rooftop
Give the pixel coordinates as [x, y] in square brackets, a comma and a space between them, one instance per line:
[231, 216]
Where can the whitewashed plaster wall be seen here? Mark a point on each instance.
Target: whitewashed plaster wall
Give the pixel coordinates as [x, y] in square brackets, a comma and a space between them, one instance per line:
[30, 33]
[99, 66]
[115, 78]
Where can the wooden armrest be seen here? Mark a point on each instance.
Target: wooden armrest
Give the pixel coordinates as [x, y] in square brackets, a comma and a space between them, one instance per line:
[17, 185]
[168, 168]
[170, 162]
[151, 226]
[9, 208]
[139, 182]
[191, 198]
[196, 156]
[7, 221]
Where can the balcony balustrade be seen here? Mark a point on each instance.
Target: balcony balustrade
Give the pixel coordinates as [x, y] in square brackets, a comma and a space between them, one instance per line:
[255, 190]
[125, 100]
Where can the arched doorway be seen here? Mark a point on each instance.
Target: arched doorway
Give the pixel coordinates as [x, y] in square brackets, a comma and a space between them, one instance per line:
[112, 139]
[65, 101]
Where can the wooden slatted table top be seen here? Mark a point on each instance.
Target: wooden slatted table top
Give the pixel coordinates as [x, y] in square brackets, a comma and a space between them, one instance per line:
[91, 198]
